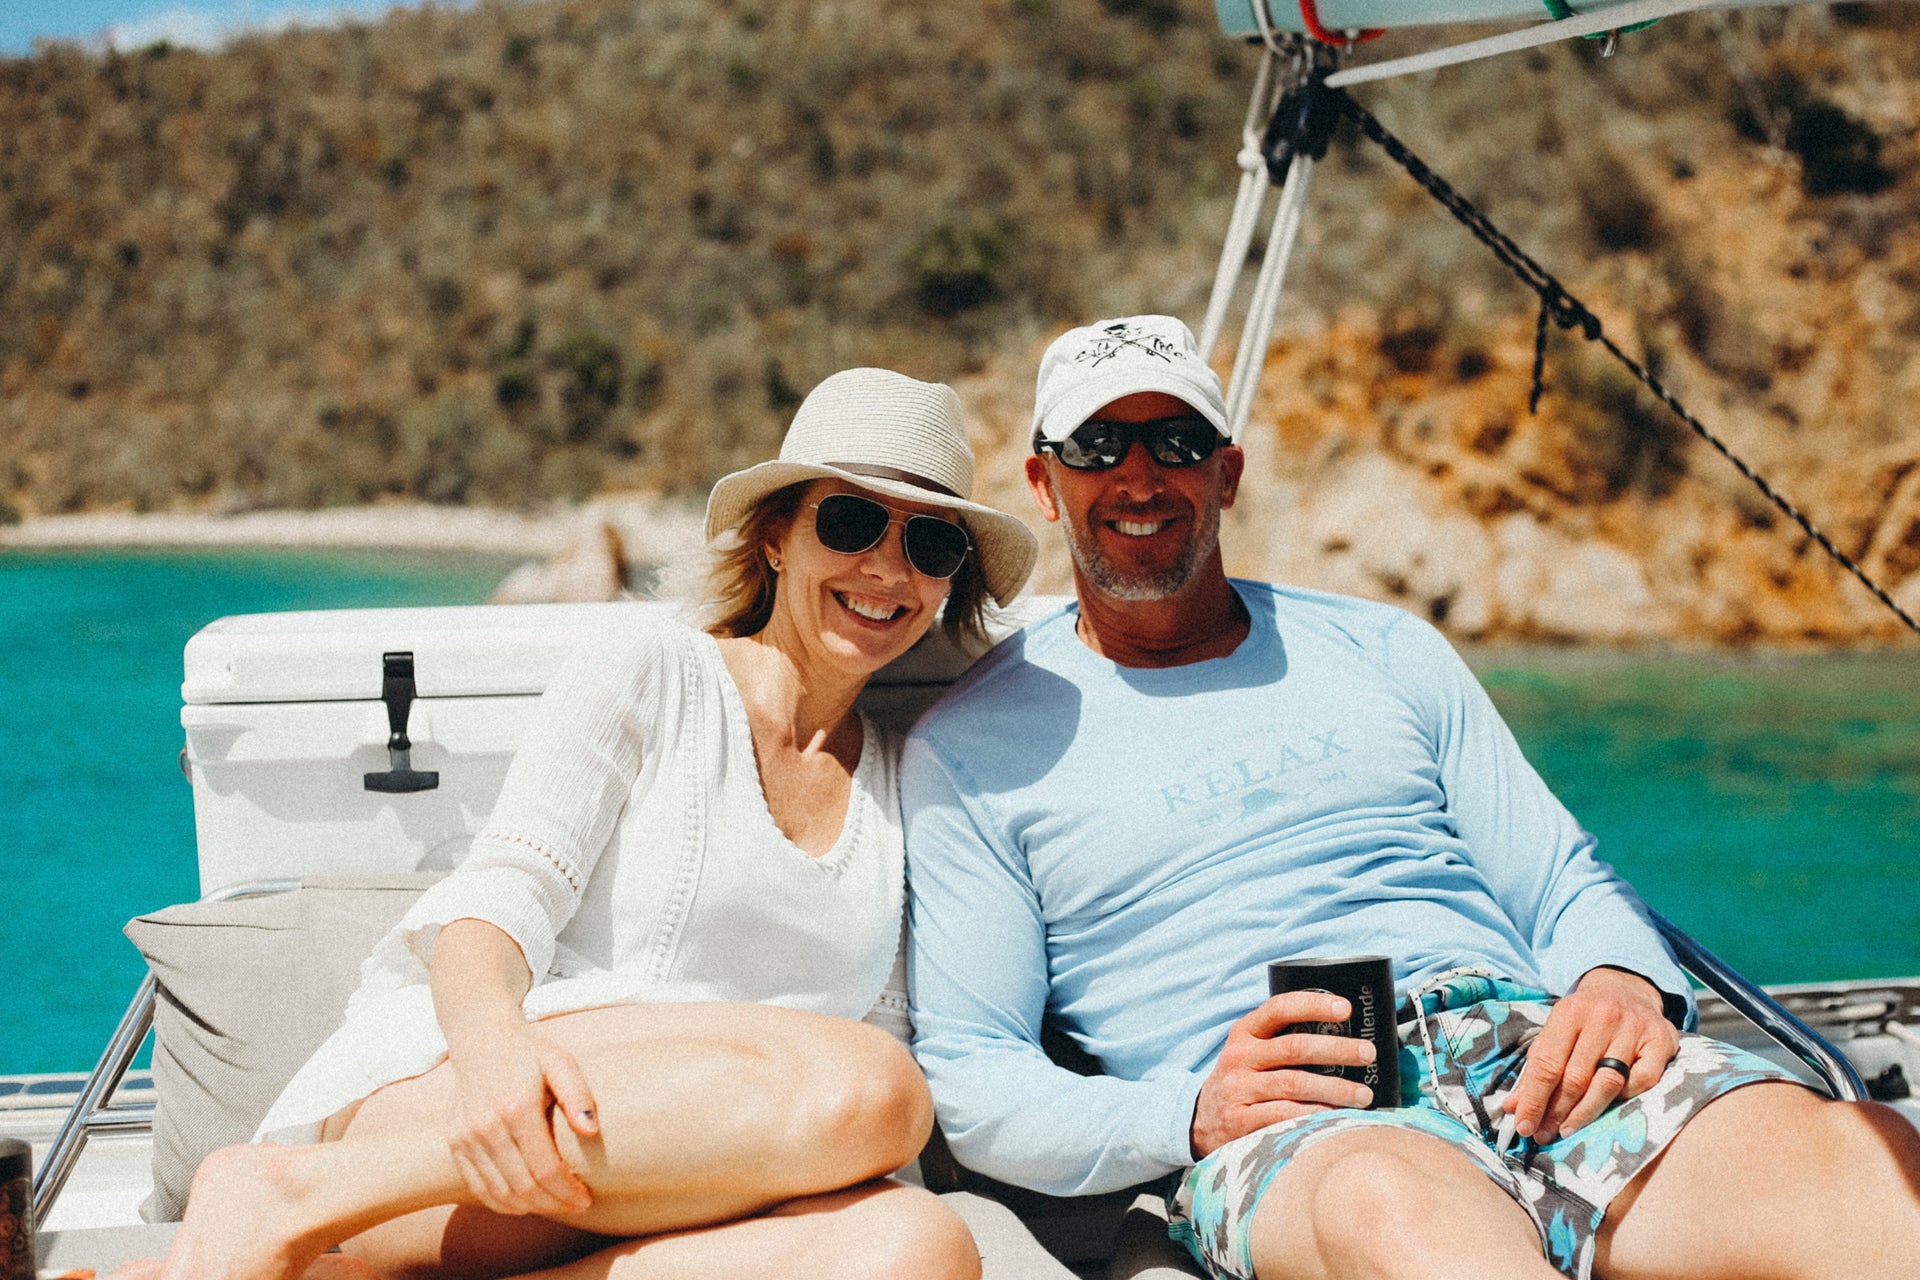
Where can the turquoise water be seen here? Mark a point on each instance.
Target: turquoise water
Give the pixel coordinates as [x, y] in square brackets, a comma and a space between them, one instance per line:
[96, 821]
[1771, 806]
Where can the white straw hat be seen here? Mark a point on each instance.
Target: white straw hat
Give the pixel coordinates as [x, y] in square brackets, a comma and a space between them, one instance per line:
[1088, 368]
[892, 435]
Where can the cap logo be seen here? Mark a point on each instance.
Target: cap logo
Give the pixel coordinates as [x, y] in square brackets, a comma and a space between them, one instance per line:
[1116, 338]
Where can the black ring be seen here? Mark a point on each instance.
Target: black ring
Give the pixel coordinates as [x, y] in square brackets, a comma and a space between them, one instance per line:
[1613, 1064]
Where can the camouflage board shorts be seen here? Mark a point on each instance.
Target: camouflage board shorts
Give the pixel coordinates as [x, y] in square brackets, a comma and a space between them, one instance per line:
[1461, 1050]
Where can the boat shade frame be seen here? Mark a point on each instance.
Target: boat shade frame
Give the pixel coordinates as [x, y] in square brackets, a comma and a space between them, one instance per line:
[1634, 14]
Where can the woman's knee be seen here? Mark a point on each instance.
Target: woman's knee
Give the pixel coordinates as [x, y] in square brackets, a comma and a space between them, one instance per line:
[907, 1233]
[842, 1098]
[869, 1096]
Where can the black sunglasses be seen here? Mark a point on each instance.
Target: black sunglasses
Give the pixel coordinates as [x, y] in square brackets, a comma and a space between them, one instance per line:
[850, 524]
[1097, 443]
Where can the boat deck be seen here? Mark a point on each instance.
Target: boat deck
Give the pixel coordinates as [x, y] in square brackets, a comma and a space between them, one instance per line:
[1875, 1023]
[112, 1177]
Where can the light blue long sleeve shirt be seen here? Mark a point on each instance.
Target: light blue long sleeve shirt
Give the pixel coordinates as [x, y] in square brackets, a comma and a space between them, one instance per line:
[1124, 850]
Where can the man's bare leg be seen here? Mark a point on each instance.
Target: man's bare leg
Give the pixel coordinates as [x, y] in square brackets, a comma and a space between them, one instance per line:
[708, 1113]
[1772, 1181]
[1381, 1202]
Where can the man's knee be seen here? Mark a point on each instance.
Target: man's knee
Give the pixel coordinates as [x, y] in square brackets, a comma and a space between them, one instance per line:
[1778, 1124]
[1850, 1141]
[1378, 1196]
[1774, 1177]
[1361, 1196]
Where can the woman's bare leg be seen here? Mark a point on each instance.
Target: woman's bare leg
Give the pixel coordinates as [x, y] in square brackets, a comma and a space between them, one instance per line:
[707, 1113]
[328, 1266]
[877, 1231]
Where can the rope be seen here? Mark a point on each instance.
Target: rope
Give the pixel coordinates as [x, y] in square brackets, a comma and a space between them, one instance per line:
[1561, 11]
[1568, 312]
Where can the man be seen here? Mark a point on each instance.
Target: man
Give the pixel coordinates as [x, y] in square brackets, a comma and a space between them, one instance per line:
[1122, 813]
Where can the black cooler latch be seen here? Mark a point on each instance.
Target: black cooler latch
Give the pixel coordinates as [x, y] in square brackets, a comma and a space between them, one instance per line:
[396, 690]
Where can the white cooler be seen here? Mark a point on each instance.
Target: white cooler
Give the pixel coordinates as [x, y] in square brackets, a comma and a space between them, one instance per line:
[288, 733]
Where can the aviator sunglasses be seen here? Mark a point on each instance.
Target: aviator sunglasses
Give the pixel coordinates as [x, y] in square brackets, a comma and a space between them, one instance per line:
[850, 524]
[1098, 443]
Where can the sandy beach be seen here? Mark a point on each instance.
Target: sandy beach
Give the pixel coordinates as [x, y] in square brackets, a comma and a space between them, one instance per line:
[650, 529]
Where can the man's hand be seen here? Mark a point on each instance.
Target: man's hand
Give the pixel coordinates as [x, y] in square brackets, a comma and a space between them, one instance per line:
[1611, 1014]
[1259, 1079]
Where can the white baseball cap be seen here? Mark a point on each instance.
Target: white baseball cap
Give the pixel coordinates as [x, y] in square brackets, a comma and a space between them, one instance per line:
[1096, 364]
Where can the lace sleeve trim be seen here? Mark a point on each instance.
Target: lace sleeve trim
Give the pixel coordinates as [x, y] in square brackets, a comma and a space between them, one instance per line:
[539, 849]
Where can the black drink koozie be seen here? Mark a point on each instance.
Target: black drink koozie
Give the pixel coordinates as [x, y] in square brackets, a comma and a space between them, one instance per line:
[16, 1210]
[1366, 984]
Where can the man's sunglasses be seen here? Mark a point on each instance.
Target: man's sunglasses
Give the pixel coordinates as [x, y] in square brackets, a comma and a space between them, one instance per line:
[1097, 443]
[850, 524]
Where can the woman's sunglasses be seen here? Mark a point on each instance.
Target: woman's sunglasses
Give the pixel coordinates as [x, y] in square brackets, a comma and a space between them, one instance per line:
[850, 524]
[1097, 443]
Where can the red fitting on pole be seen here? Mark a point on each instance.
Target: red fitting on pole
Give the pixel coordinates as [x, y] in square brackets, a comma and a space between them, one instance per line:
[1310, 18]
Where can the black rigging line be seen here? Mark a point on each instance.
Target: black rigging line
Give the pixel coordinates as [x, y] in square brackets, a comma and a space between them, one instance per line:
[1304, 122]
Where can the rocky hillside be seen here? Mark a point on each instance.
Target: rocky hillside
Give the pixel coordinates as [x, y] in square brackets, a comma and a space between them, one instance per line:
[539, 251]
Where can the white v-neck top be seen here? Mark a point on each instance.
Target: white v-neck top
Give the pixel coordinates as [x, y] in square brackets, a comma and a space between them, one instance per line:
[632, 857]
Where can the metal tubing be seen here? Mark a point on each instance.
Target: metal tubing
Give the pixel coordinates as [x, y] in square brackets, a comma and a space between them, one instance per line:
[124, 1118]
[1764, 1012]
[1246, 204]
[1233, 255]
[89, 1115]
[77, 1127]
[1250, 361]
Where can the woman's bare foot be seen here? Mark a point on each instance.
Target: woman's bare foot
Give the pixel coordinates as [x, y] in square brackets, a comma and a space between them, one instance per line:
[246, 1220]
[339, 1266]
[328, 1266]
[139, 1269]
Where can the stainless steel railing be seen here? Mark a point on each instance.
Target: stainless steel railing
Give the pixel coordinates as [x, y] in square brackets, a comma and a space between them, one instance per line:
[1764, 1012]
[94, 1110]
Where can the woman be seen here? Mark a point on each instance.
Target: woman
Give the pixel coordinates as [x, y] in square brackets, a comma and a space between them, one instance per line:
[698, 850]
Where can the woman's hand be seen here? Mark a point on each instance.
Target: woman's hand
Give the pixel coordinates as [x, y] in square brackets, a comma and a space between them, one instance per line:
[501, 1133]
[508, 1077]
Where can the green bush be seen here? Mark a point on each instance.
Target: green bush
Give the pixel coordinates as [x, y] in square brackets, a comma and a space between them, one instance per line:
[590, 379]
[1837, 152]
[956, 266]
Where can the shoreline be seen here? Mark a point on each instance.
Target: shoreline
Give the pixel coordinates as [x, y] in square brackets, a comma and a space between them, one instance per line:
[651, 530]
[592, 551]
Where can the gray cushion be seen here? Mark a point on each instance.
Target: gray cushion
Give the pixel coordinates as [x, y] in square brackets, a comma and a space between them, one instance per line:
[247, 991]
[1008, 1250]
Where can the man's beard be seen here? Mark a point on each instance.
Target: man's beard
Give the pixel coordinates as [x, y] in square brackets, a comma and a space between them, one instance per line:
[1144, 584]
